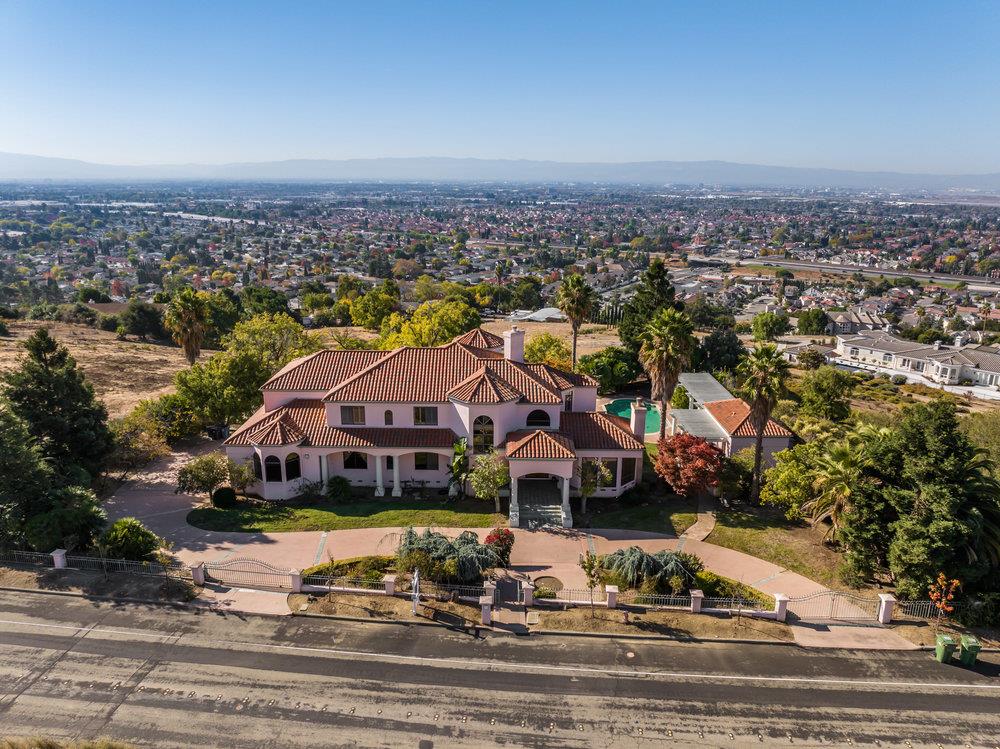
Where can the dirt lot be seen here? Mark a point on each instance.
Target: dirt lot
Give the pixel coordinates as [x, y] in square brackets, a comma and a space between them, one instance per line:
[384, 607]
[676, 624]
[93, 583]
[592, 337]
[122, 372]
[922, 632]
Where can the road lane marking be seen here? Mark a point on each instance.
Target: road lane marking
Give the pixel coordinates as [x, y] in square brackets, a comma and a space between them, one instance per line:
[518, 667]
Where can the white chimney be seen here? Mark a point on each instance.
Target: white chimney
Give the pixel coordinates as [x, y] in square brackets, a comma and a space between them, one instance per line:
[513, 344]
[637, 420]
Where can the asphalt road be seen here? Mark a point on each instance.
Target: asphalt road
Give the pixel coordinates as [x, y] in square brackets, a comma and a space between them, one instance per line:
[154, 676]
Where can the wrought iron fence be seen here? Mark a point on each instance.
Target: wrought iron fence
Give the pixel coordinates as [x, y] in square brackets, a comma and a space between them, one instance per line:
[149, 569]
[582, 594]
[356, 583]
[635, 598]
[252, 573]
[916, 609]
[731, 603]
[16, 556]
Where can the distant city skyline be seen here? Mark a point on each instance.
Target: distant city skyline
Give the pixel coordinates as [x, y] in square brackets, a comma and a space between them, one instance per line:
[900, 86]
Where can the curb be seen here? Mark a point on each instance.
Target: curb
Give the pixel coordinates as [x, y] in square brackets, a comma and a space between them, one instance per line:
[477, 628]
[126, 599]
[661, 638]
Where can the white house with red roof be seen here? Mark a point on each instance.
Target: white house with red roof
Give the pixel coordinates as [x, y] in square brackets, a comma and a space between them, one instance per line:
[390, 419]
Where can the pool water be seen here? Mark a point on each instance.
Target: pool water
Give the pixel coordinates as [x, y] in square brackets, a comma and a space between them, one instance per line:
[623, 407]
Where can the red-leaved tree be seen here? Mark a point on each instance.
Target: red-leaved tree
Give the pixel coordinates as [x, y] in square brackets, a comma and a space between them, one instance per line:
[688, 463]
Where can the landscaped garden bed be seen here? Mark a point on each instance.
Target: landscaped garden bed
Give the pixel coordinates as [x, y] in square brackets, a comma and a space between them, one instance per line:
[253, 516]
[394, 608]
[663, 622]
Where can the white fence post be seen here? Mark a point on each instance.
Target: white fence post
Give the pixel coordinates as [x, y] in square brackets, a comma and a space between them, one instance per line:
[389, 581]
[198, 573]
[489, 589]
[780, 607]
[486, 609]
[59, 559]
[528, 594]
[886, 605]
[296, 579]
[612, 593]
[697, 599]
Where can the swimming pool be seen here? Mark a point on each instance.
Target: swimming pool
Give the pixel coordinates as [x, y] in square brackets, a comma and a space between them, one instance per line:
[623, 407]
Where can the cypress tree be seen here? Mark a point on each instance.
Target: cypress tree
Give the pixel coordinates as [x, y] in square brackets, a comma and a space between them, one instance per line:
[655, 292]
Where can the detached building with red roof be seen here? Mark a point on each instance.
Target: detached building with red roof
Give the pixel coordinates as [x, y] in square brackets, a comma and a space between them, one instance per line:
[390, 419]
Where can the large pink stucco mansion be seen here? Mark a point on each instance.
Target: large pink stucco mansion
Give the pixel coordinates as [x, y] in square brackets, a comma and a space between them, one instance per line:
[390, 419]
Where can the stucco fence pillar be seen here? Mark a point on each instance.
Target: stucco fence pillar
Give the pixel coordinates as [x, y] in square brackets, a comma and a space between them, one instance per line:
[697, 599]
[886, 607]
[59, 559]
[780, 607]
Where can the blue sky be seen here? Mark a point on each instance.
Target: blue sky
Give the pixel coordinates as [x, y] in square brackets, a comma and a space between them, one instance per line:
[909, 86]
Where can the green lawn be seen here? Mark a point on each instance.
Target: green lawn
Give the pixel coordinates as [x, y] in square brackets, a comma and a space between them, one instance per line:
[253, 517]
[768, 535]
[648, 507]
[657, 514]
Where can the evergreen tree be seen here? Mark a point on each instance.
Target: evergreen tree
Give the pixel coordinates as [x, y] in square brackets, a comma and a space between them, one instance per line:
[58, 405]
[655, 292]
[27, 478]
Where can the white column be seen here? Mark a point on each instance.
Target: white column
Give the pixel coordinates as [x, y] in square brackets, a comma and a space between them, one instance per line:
[565, 494]
[379, 488]
[324, 469]
[397, 490]
[514, 517]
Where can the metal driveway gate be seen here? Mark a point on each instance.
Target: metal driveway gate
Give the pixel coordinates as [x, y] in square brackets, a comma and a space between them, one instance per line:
[830, 605]
[247, 572]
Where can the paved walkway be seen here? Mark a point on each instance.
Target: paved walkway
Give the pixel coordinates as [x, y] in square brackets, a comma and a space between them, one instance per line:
[705, 523]
[552, 551]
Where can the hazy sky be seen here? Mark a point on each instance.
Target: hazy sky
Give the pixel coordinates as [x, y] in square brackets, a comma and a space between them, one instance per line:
[910, 86]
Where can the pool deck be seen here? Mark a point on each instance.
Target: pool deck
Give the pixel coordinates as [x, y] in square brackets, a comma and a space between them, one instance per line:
[652, 435]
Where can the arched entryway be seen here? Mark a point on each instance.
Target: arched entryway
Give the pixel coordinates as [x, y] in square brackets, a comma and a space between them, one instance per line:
[539, 493]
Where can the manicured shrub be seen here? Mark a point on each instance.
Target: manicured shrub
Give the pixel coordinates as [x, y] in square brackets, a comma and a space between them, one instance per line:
[130, 539]
[338, 489]
[979, 611]
[899, 379]
[502, 542]
[223, 497]
[543, 592]
[717, 586]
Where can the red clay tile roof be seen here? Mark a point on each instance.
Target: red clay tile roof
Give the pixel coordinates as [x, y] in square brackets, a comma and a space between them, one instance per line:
[591, 430]
[479, 338]
[734, 417]
[539, 445]
[484, 386]
[560, 379]
[309, 417]
[428, 375]
[279, 431]
[322, 370]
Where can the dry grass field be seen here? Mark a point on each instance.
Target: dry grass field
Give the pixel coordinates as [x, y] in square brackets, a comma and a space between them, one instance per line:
[122, 372]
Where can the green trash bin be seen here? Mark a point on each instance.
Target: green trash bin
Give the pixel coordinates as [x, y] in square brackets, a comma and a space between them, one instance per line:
[945, 648]
[970, 649]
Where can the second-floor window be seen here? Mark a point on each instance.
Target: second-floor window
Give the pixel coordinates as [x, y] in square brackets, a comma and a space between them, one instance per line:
[569, 402]
[352, 415]
[425, 415]
[482, 434]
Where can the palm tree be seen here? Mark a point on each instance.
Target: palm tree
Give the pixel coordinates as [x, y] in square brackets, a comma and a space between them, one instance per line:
[838, 471]
[187, 321]
[577, 300]
[763, 372]
[982, 508]
[668, 343]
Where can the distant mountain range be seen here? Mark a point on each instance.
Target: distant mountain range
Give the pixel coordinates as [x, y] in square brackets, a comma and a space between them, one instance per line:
[15, 167]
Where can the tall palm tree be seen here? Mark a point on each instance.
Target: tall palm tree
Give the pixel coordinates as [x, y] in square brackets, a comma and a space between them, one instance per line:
[982, 508]
[577, 300]
[668, 344]
[763, 372]
[187, 321]
[838, 471]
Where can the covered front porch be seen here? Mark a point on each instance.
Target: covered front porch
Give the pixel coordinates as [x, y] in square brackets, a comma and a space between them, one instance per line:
[540, 487]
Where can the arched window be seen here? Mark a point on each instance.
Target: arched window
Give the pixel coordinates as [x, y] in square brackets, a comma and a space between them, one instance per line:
[293, 469]
[538, 418]
[257, 471]
[482, 434]
[388, 417]
[272, 468]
